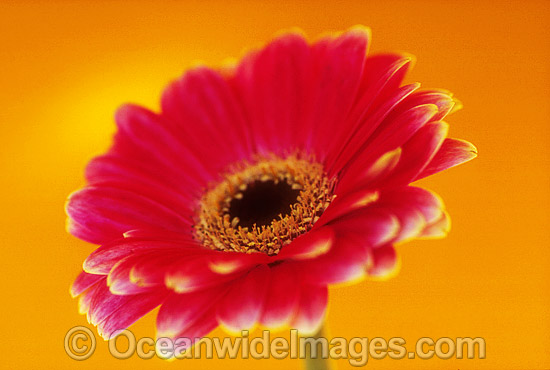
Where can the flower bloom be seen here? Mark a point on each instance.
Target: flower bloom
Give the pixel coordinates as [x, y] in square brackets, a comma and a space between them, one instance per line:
[257, 186]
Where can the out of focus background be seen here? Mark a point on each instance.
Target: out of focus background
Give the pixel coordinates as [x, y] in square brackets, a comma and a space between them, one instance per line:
[65, 66]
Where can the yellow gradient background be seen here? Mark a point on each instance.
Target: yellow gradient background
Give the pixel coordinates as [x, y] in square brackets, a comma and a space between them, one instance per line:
[65, 66]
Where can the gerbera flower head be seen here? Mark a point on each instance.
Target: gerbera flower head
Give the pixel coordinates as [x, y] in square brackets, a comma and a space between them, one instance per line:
[257, 186]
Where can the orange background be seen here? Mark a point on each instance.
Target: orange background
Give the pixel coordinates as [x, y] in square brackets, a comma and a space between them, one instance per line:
[66, 66]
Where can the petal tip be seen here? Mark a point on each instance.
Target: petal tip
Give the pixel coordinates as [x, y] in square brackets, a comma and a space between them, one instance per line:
[361, 30]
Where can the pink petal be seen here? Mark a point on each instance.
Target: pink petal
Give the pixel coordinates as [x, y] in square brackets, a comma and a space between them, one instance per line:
[182, 265]
[337, 68]
[226, 262]
[198, 267]
[309, 245]
[438, 228]
[441, 98]
[345, 204]
[379, 95]
[411, 222]
[370, 227]
[425, 201]
[382, 76]
[180, 311]
[120, 280]
[282, 297]
[150, 270]
[368, 172]
[99, 214]
[190, 270]
[129, 311]
[201, 326]
[105, 257]
[398, 214]
[116, 312]
[103, 303]
[147, 137]
[83, 282]
[201, 105]
[273, 86]
[415, 208]
[346, 261]
[417, 153]
[397, 128]
[452, 153]
[197, 272]
[88, 295]
[385, 262]
[311, 309]
[241, 307]
[184, 239]
[144, 178]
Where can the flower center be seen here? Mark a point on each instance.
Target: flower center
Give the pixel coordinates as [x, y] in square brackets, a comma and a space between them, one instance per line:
[262, 202]
[263, 206]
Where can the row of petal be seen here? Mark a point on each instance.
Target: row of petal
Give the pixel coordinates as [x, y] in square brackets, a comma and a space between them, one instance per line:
[259, 297]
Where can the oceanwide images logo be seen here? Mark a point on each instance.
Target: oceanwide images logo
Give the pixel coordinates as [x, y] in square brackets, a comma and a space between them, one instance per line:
[80, 344]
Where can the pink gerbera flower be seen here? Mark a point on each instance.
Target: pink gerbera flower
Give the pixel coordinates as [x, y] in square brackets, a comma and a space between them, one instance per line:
[257, 186]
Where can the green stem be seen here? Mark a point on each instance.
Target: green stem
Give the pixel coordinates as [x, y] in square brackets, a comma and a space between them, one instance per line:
[317, 362]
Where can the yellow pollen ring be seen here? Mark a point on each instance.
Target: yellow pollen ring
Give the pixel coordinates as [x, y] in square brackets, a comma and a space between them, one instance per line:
[216, 229]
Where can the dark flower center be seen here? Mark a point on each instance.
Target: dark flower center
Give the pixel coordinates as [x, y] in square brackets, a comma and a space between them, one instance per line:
[262, 202]
[263, 206]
